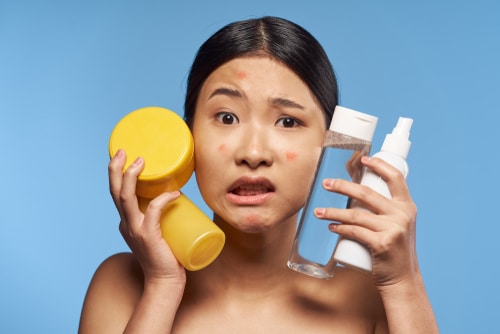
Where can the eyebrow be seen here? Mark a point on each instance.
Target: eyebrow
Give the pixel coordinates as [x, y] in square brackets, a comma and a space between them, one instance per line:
[226, 91]
[277, 101]
[282, 102]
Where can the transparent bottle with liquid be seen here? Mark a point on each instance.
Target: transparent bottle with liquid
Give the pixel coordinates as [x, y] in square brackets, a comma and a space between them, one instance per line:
[347, 140]
[394, 151]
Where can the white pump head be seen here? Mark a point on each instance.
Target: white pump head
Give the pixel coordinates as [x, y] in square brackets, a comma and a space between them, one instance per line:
[398, 141]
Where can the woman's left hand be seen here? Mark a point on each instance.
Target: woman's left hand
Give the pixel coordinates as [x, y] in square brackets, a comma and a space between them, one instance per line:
[387, 229]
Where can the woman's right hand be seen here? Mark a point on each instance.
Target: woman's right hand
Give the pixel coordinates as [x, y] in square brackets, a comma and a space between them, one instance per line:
[141, 231]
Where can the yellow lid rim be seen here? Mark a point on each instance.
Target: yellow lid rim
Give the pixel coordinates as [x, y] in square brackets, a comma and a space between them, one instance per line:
[184, 163]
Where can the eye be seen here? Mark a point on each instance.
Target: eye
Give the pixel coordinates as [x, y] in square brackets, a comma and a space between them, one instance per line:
[288, 122]
[227, 118]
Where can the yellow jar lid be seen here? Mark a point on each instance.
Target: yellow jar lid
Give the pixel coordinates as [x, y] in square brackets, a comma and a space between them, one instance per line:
[163, 139]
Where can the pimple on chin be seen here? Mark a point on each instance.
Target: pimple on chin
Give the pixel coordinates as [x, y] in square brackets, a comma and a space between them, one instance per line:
[290, 156]
[251, 218]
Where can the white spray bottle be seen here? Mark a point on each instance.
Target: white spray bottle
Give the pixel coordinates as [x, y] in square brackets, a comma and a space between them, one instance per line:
[394, 151]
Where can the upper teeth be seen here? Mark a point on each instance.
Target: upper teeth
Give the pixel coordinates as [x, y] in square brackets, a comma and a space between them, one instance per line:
[252, 187]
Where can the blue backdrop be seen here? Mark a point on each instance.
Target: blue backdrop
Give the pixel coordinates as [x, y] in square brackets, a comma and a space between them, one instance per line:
[69, 70]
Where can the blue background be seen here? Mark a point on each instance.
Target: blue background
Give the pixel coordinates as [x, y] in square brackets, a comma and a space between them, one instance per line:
[69, 70]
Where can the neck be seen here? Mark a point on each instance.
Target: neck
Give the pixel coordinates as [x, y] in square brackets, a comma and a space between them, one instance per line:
[249, 261]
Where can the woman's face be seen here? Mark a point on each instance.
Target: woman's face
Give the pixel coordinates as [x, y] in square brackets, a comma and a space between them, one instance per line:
[258, 133]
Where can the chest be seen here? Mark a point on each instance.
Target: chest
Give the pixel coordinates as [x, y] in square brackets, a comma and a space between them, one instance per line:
[270, 318]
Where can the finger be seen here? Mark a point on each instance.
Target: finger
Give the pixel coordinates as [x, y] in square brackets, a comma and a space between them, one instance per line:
[353, 232]
[378, 242]
[391, 175]
[354, 166]
[115, 175]
[128, 198]
[363, 195]
[357, 217]
[155, 208]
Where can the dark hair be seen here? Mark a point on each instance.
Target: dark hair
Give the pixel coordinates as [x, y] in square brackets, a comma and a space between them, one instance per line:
[278, 38]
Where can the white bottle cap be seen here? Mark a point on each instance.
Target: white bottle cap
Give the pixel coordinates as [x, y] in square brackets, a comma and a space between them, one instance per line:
[398, 141]
[353, 123]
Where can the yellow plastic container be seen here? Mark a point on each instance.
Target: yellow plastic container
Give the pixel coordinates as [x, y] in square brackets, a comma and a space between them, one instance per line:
[163, 139]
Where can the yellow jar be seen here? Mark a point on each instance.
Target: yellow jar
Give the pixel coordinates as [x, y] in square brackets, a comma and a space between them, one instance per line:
[163, 139]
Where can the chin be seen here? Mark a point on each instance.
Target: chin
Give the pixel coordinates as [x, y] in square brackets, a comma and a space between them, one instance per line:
[254, 228]
[250, 223]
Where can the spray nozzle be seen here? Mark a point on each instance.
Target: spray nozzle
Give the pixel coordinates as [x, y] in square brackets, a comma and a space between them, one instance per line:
[398, 141]
[403, 127]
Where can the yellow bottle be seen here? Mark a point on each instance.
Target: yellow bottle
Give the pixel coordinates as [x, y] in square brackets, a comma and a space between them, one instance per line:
[165, 142]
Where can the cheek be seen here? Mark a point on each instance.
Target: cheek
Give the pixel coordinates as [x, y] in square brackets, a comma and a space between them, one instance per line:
[305, 166]
[211, 150]
[291, 156]
[208, 158]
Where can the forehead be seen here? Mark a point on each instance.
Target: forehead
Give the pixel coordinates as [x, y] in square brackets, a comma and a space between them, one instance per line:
[261, 74]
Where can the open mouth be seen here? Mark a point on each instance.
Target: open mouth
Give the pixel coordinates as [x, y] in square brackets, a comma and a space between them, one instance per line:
[251, 190]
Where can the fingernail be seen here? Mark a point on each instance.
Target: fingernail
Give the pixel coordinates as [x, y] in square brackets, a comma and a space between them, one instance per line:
[137, 161]
[319, 212]
[365, 158]
[329, 182]
[119, 154]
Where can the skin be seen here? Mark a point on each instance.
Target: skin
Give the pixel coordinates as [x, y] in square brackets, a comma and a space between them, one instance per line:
[258, 133]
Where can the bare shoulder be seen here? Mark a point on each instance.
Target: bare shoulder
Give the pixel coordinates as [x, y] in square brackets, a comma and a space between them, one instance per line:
[115, 289]
[358, 287]
[349, 296]
[362, 296]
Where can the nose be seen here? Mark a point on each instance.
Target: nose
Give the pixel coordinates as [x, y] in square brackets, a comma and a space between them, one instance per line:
[255, 148]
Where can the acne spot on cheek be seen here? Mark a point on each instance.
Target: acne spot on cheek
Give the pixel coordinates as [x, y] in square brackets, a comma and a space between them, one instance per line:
[291, 156]
[221, 148]
[242, 75]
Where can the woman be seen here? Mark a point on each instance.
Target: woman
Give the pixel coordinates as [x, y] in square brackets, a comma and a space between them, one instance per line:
[260, 96]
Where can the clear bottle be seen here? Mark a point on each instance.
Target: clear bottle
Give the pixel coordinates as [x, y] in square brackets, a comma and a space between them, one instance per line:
[394, 151]
[347, 140]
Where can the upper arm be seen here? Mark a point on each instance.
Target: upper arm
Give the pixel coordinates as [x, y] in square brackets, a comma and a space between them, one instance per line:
[112, 295]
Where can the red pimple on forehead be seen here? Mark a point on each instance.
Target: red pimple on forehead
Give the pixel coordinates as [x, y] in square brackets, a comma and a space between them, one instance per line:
[242, 75]
[290, 156]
